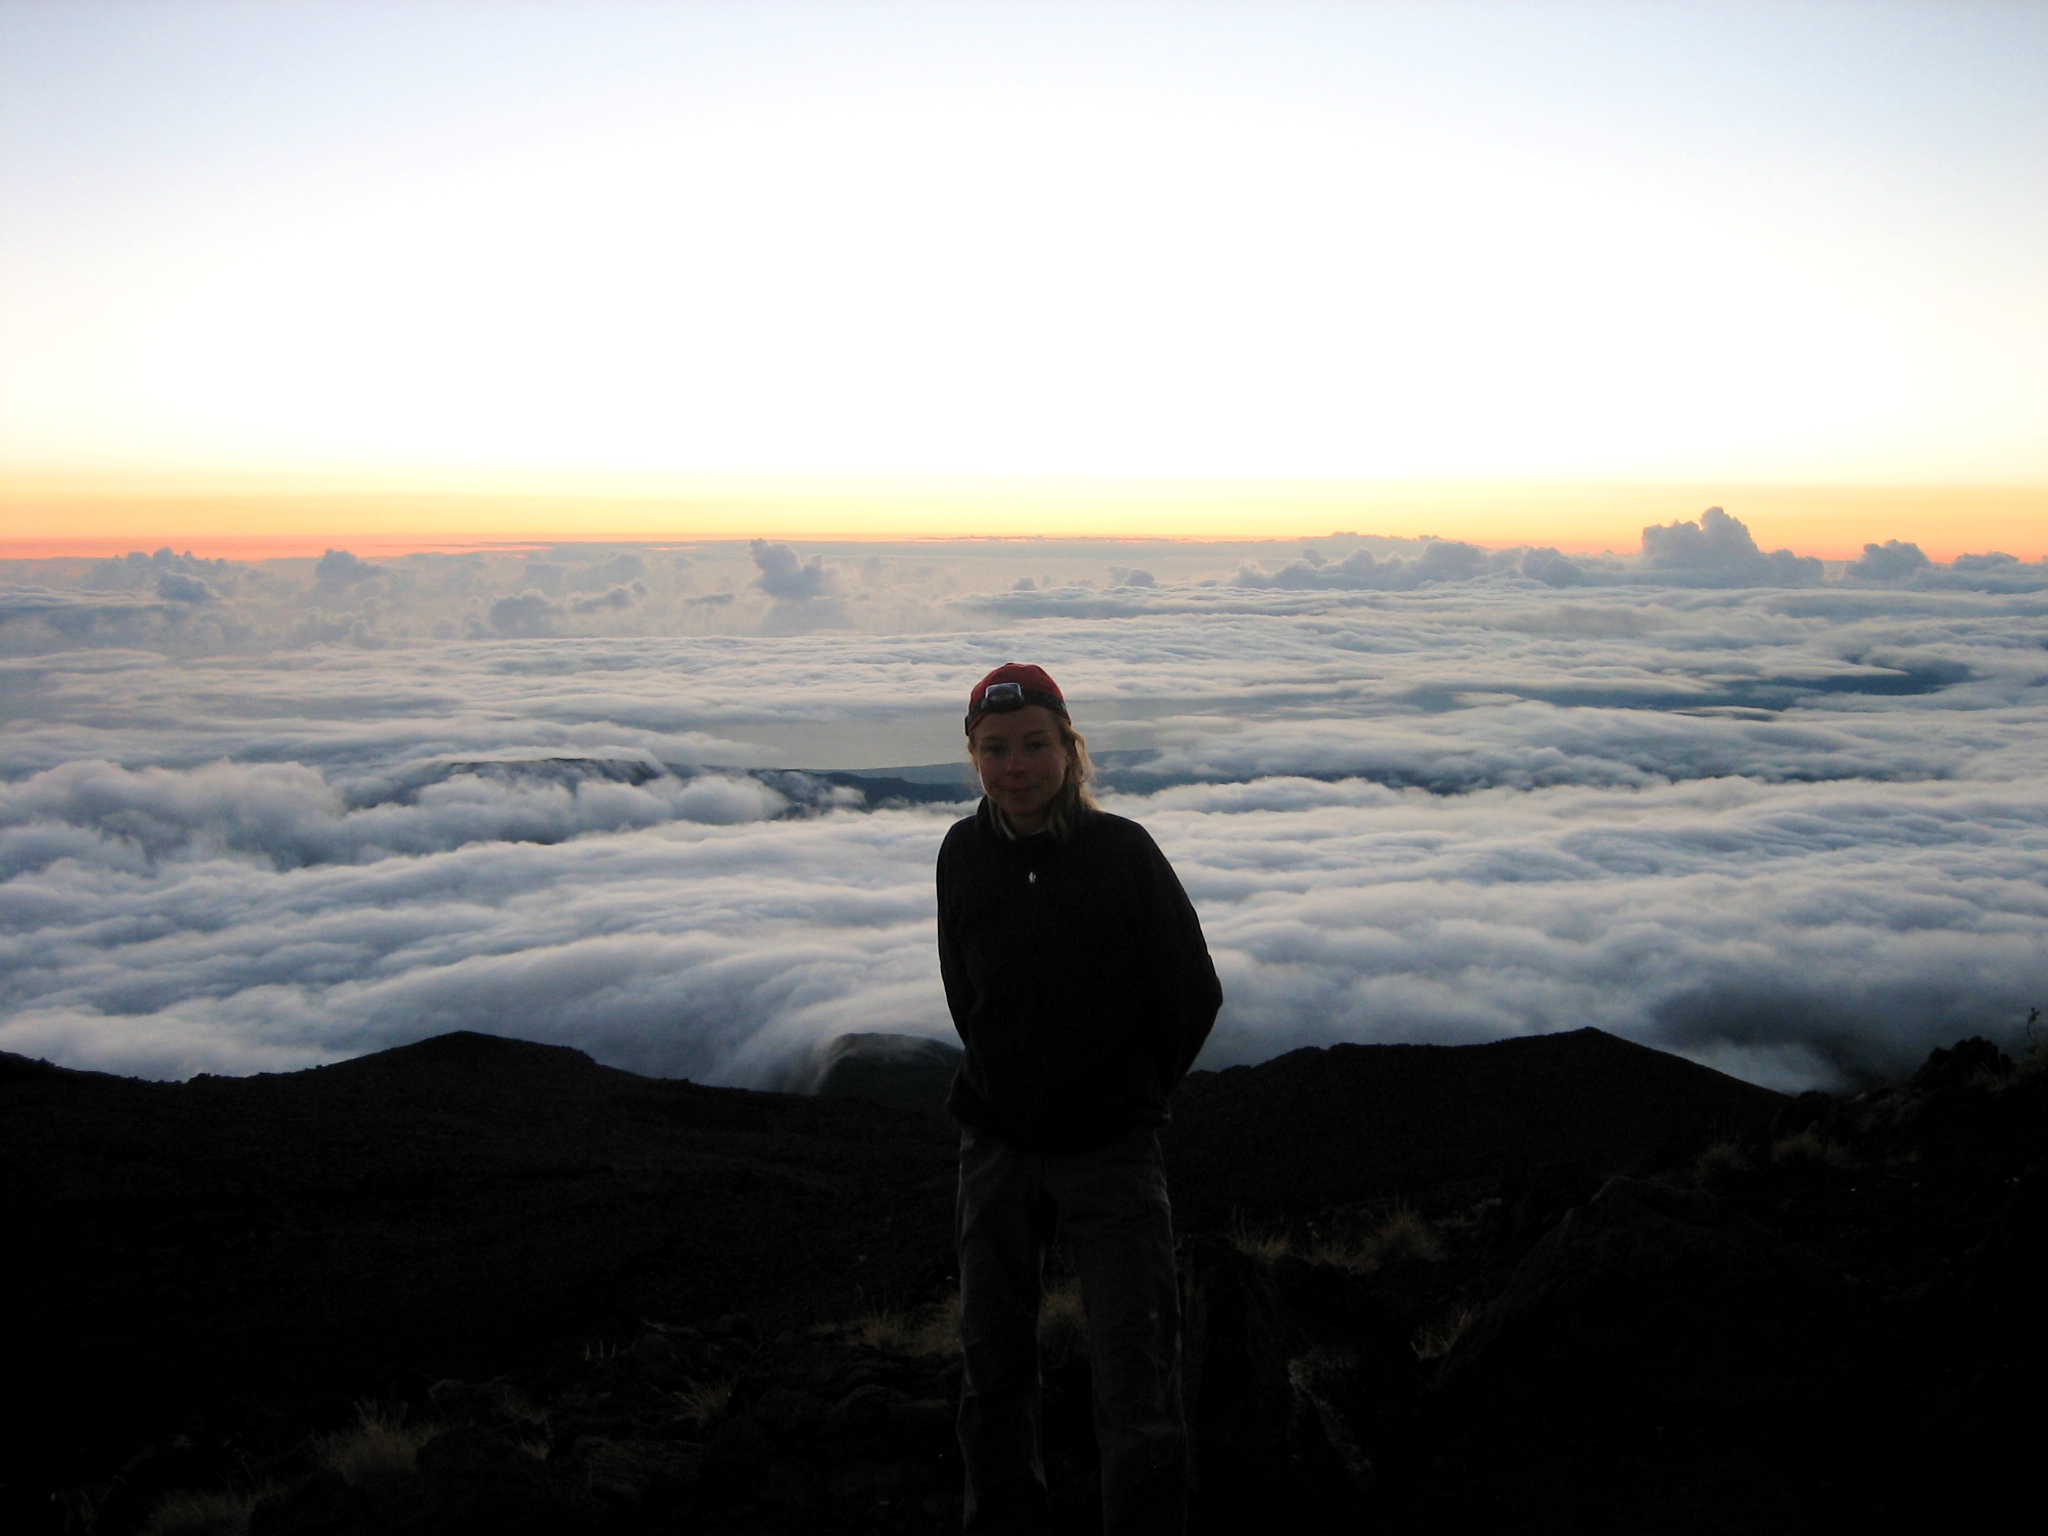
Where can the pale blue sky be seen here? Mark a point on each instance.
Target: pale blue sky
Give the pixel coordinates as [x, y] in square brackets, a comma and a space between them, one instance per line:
[1803, 242]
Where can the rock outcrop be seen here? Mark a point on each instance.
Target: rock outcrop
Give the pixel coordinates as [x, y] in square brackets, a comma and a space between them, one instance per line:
[1301, 1390]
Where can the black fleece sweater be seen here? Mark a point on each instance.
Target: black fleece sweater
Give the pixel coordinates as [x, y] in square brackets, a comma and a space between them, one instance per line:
[1077, 977]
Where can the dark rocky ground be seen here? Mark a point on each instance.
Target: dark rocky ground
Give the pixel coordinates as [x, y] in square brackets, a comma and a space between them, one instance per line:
[1548, 1285]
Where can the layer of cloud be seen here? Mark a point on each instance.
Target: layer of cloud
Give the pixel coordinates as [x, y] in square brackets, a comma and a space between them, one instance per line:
[287, 815]
[190, 606]
[1797, 831]
[1792, 933]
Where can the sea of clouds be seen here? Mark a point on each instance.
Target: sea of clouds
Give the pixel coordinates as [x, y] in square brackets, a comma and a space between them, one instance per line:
[678, 805]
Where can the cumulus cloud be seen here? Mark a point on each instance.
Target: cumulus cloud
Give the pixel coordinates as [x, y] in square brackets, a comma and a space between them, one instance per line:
[787, 577]
[1972, 565]
[1796, 831]
[339, 568]
[176, 587]
[1551, 568]
[1994, 572]
[612, 598]
[1889, 561]
[1439, 560]
[1718, 551]
[526, 615]
[136, 569]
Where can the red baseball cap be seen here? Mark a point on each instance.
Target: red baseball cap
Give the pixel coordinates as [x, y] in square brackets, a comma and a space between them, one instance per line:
[1012, 686]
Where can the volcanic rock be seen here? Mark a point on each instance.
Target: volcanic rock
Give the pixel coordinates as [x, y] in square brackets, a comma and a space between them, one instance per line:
[1725, 1343]
[1300, 1391]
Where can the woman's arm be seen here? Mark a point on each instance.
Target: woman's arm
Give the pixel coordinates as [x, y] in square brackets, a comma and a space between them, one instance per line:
[952, 962]
[1182, 976]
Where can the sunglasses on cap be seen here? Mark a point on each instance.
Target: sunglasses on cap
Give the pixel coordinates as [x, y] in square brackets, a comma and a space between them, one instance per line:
[1001, 698]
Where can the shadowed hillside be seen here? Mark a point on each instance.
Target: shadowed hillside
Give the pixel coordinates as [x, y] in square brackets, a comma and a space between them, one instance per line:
[439, 1208]
[1320, 1128]
[1552, 1284]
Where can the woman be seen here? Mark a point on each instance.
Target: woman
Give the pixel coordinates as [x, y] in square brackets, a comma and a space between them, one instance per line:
[1076, 974]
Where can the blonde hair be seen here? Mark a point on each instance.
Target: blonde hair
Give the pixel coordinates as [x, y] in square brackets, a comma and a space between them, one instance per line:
[1073, 800]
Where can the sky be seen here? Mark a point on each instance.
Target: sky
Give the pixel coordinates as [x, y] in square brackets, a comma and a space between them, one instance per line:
[1512, 273]
[1541, 508]
[678, 805]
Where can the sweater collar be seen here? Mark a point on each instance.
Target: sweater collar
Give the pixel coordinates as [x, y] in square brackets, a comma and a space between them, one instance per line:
[995, 831]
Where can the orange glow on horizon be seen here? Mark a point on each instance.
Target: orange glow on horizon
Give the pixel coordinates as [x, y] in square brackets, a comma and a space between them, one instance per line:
[248, 547]
[255, 523]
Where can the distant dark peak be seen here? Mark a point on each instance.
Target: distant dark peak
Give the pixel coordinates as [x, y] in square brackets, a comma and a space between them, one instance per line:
[34, 1069]
[889, 1048]
[468, 1050]
[1565, 1038]
[14, 1067]
[1562, 1049]
[628, 770]
[562, 772]
[1960, 1065]
[1323, 1127]
[908, 1071]
[1579, 1043]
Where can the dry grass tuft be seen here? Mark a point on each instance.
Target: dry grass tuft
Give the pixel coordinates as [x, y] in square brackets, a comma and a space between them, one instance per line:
[1719, 1160]
[203, 1514]
[1062, 1323]
[1402, 1233]
[1267, 1245]
[939, 1333]
[1406, 1235]
[934, 1331]
[1435, 1339]
[1812, 1148]
[701, 1402]
[930, 1331]
[884, 1330]
[378, 1446]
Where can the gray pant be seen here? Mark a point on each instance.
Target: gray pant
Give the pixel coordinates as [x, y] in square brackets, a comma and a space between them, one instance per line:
[1109, 1207]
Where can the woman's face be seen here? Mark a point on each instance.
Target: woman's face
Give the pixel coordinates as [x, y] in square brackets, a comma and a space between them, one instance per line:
[1022, 762]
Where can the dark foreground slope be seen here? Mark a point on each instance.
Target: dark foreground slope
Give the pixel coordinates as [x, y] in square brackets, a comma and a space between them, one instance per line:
[1561, 1284]
[451, 1206]
[1319, 1128]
